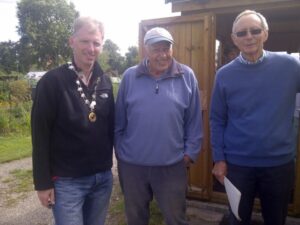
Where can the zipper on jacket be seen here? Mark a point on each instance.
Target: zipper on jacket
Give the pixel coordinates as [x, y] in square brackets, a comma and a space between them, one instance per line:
[156, 87]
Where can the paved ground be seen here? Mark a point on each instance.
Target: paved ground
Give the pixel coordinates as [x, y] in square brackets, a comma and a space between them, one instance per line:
[28, 211]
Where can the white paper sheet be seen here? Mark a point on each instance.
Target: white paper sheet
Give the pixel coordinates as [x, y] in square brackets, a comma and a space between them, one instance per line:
[234, 197]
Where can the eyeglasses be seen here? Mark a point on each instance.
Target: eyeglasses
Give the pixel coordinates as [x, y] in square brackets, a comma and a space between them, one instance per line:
[251, 31]
[164, 50]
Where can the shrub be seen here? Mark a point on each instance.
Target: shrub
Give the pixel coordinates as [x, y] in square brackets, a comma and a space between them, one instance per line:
[20, 90]
[15, 119]
[4, 122]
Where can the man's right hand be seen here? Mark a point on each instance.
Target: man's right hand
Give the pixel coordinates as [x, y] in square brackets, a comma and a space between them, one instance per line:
[220, 171]
[46, 197]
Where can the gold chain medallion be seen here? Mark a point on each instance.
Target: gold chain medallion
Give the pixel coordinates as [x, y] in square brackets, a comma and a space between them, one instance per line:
[92, 117]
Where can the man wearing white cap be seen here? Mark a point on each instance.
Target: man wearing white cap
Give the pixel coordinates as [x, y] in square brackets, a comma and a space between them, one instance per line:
[158, 131]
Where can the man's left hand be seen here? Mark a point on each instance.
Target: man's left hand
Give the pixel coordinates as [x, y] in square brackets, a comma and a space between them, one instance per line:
[187, 160]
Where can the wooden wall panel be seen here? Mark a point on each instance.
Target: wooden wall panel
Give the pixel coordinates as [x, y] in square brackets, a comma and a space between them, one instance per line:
[229, 5]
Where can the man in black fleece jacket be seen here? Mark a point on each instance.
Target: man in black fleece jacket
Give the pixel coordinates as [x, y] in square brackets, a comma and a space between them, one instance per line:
[72, 133]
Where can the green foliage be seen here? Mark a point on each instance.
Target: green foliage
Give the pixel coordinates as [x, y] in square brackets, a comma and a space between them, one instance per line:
[15, 119]
[15, 106]
[19, 91]
[20, 122]
[113, 62]
[110, 59]
[115, 89]
[44, 27]
[4, 122]
[4, 90]
[103, 61]
[131, 57]
[8, 57]
[2, 73]
[5, 81]
[14, 147]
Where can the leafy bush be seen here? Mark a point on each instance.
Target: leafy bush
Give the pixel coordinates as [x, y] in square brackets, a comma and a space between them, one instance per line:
[4, 122]
[15, 119]
[20, 90]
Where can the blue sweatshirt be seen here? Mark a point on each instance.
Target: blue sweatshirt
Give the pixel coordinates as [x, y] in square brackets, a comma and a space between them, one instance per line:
[252, 111]
[158, 120]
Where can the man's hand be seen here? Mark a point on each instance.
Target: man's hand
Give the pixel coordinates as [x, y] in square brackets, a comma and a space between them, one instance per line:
[220, 171]
[187, 160]
[46, 197]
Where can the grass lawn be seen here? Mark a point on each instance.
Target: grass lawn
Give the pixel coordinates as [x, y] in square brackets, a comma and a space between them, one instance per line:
[14, 147]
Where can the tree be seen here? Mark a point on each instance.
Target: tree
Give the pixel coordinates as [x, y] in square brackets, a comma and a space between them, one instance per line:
[44, 27]
[112, 57]
[113, 62]
[131, 57]
[8, 57]
[103, 61]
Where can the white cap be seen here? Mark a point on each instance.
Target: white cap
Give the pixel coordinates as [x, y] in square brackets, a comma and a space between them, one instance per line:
[157, 34]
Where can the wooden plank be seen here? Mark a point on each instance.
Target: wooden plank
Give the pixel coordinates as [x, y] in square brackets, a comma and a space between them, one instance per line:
[296, 198]
[229, 4]
[289, 26]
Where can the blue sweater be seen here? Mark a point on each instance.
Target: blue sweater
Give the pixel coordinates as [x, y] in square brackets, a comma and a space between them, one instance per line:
[252, 111]
[158, 120]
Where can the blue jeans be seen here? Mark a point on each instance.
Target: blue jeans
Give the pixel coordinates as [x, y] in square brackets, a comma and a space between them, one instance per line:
[166, 183]
[83, 200]
[273, 186]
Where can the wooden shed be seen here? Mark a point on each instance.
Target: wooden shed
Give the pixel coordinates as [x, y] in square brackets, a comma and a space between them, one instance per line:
[202, 36]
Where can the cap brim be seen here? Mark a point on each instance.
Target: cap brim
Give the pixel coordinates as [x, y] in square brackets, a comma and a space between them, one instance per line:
[157, 39]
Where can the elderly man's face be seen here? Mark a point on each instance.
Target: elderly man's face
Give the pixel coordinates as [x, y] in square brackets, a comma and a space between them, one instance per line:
[160, 57]
[249, 36]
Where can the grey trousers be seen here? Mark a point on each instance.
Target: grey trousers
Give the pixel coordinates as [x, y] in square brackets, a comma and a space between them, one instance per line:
[167, 184]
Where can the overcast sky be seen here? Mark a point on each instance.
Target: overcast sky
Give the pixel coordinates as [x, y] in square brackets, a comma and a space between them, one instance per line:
[120, 17]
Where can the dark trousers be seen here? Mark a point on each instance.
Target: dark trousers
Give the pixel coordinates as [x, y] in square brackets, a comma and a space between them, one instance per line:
[166, 183]
[273, 186]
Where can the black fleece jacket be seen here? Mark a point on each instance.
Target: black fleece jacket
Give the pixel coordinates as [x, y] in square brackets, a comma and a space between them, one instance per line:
[65, 143]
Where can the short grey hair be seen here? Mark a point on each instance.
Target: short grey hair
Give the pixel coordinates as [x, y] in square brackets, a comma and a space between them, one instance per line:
[263, 20]
[88, 21]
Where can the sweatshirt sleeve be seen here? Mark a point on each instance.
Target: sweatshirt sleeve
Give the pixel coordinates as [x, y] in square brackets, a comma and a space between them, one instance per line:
[193, 129]
[42, 119]
[120, 114]
[218, 121]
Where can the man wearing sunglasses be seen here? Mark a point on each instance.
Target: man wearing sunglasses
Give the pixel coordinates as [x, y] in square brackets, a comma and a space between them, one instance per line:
[251, 120]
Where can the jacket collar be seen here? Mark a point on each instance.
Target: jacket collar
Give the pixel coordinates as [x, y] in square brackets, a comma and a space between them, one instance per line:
[97, 70]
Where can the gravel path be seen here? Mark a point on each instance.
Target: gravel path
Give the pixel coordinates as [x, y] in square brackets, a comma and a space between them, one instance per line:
[27, 210]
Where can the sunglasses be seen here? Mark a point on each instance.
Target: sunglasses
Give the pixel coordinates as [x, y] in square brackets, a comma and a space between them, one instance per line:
[251, 31]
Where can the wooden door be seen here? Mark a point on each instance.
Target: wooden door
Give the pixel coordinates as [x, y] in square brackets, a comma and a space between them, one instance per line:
[194, 45]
